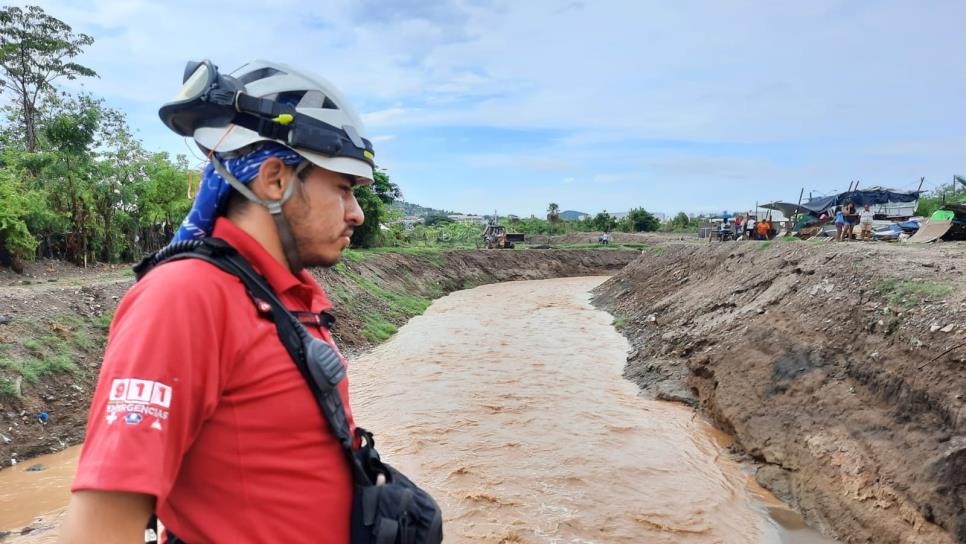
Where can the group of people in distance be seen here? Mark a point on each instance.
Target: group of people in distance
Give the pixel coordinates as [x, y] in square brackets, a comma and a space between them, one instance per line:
[846, 217]
[748, 226]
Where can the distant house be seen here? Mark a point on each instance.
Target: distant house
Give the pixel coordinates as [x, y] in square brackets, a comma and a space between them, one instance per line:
[571, 215]
[617, 216]
[468, 219]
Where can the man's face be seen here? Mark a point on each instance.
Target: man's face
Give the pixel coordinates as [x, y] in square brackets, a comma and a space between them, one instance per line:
[322, 214]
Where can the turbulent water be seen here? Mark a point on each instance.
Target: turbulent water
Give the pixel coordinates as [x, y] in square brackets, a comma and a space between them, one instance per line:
[507, 403]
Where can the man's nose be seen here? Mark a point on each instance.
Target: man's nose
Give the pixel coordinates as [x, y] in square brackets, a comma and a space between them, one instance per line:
[353, 213]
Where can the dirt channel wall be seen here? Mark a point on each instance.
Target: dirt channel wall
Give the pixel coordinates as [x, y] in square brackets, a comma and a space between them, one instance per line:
[54, 323]
[826, 362]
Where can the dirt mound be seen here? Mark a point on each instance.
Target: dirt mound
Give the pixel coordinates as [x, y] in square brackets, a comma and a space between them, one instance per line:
[615, 237]
[840, 368]
[55, 319]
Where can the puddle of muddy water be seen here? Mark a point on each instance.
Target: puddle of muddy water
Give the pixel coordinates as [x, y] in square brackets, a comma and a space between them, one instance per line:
[26, 492]
[508, 404]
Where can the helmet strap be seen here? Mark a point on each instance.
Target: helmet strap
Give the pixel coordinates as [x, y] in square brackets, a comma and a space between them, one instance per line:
[274, 208]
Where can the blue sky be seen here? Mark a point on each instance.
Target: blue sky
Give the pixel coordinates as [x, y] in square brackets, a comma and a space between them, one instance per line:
[688, 105]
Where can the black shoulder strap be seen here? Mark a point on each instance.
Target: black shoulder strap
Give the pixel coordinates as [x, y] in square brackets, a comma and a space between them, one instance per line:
[291, 332]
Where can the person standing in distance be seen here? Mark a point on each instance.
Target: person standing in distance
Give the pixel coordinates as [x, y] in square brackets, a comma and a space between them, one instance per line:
[200, 414]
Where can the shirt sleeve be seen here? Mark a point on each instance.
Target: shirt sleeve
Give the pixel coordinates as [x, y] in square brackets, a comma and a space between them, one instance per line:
[160, 380]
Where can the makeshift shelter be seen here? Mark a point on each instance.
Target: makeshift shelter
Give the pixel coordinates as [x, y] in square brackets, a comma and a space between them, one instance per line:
[884, 202]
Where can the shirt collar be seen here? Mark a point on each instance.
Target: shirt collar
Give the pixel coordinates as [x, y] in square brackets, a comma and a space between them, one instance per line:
[302, 285]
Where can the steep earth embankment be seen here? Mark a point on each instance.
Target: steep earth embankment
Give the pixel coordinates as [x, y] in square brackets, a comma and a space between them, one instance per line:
[840, 368]
[53, 322]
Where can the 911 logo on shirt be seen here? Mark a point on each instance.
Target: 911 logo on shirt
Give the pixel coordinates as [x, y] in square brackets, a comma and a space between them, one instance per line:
[136, 396]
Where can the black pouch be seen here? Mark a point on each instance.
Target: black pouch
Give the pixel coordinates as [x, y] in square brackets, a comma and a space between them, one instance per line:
[395, 512]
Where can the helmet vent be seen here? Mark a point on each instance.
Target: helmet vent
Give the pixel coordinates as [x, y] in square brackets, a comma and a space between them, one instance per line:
[312, 99]
[328, 104]
[261, 73]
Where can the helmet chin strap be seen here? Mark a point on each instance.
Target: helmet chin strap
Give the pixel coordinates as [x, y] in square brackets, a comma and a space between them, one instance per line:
[274, 207]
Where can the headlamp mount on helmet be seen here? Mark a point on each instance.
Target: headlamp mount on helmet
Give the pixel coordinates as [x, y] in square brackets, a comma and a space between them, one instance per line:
[210, 99]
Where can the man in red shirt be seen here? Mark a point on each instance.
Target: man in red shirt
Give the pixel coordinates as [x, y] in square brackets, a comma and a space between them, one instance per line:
[200, 414]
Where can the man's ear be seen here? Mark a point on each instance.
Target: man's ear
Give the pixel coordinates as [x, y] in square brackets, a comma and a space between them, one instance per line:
[271, 180]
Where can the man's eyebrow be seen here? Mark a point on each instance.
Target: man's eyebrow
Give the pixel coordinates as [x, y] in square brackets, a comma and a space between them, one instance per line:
[353, 181]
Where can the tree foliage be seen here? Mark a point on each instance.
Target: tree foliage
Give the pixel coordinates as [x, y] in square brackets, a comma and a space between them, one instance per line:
[35, 50]
[641, 220]
[950, 193]
[435, 219]
[374, 200]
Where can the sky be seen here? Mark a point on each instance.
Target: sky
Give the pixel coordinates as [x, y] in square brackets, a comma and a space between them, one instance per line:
[693, 105]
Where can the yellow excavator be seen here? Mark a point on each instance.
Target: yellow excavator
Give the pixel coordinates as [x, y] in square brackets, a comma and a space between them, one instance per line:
[496, 237]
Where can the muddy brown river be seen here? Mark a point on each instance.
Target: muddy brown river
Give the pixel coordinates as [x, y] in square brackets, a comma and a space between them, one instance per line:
[507, 403]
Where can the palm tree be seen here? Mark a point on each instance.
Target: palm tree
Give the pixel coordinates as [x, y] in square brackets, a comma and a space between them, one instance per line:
[553, 215]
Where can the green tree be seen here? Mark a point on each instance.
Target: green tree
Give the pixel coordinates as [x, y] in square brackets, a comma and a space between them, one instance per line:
[642, 221]
[16, 242]
[951, 193]
[35, 50]
[435, 219]
[70, 136]
[603, 221]
[373, 199]
[553, 215]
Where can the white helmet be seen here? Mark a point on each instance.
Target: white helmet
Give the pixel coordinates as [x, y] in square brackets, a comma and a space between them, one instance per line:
[311, 96]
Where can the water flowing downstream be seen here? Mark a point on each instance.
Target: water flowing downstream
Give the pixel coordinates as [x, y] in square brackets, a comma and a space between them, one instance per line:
[507, 403]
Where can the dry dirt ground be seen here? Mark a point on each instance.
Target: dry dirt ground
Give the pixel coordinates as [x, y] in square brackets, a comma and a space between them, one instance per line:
[839, 367]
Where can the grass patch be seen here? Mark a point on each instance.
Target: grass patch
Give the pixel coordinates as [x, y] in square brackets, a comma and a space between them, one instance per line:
[357, 255]
[339, 291]
[765, 245]
[907, 293]
[7, 388]
[435, 290]
[402, 304]
[354, 255]
[376, 329]
[32, 369]
[103, 321]
[620, 323]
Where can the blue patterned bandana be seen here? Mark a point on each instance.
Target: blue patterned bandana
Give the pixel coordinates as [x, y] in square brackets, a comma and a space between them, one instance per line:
[213, 190]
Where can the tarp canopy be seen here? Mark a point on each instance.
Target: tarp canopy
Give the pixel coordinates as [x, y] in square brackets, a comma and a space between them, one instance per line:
[872, 196]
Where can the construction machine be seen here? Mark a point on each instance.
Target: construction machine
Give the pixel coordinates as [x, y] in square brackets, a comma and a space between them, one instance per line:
[496, 237]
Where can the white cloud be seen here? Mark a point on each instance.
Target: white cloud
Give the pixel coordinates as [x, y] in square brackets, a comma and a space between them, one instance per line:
[846, 89]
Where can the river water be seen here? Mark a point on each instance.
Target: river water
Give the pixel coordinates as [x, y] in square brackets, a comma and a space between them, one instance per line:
[507, 403]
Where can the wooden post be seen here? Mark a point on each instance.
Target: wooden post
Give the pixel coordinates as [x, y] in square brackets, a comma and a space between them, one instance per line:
[798, 209]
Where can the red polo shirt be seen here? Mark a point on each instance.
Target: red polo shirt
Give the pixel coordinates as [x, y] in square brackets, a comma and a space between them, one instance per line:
[200, 405]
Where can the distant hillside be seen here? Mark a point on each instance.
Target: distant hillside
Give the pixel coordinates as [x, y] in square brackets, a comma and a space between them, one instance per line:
[409, 208]
[571, 215]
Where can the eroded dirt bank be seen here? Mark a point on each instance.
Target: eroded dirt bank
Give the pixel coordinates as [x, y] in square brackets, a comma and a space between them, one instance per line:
[55, 323]
[829, 365]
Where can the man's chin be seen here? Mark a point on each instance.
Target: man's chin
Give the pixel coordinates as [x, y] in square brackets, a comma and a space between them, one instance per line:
[322, 261]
